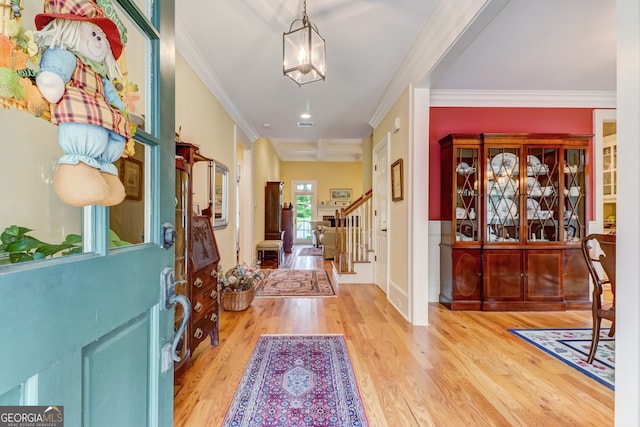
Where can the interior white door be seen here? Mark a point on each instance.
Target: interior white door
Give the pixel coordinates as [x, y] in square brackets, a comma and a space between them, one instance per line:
[381, 191]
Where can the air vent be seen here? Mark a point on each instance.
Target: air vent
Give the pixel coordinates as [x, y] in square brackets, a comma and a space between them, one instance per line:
[306, 124]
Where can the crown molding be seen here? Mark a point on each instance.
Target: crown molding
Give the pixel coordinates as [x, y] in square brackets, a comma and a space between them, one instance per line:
[189, 48]
[523, 98]
[448, 31]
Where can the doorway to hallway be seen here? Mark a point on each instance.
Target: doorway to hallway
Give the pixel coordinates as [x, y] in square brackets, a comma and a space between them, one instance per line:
[304, 202]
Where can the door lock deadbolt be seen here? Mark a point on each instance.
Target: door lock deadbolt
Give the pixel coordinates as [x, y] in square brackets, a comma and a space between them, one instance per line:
[169, 235]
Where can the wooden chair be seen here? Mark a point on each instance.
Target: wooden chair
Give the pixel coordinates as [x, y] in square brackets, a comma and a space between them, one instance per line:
[599, 251]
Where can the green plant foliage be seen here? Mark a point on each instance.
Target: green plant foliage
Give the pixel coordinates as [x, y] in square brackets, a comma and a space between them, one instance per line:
[114, 240]
[22, 247]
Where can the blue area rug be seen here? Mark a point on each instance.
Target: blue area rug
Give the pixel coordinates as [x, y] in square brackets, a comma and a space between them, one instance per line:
[298, 380]
[572, 347]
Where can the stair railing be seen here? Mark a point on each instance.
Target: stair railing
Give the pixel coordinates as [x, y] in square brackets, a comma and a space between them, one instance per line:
[354, 233]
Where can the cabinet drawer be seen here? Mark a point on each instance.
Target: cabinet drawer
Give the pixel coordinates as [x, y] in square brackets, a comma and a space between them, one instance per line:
[201, 280]
[206, 326]
[204, 302]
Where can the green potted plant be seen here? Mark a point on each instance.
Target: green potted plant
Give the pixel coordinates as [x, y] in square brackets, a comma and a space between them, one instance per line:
[18, 246]
[237, 286]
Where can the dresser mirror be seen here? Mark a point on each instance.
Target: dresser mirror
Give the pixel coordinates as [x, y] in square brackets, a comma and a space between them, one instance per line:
[221, 201]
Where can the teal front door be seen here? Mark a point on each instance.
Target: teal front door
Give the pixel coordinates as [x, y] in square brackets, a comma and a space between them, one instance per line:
[85, 332]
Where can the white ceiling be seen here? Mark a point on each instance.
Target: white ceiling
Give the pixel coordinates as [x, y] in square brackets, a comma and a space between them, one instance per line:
[375, 48]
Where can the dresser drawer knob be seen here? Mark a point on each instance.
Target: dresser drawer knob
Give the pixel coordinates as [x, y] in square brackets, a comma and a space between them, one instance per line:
[214, 294]
[199, 333]
[197, 307]
[198, 282]
[214, 317]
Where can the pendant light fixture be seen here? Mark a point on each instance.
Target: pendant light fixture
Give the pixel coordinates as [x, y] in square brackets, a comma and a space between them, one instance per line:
[303, 51]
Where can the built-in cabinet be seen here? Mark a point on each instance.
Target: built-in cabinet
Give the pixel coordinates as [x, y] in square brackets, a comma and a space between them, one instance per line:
[196, 256]
[514, 208]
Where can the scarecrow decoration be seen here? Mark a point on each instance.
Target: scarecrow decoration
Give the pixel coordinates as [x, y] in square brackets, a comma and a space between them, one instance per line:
[79, 46]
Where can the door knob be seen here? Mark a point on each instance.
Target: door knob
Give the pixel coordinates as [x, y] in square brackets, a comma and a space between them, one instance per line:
[168, 298]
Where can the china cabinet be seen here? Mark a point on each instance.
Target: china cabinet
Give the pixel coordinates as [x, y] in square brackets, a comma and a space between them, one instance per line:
[514, 208]
[196, 256]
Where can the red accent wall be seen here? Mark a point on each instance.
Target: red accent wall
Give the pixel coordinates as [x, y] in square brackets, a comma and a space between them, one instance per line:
[446, 120]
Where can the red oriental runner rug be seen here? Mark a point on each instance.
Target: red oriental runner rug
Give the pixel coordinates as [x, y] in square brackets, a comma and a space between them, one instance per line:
[298, 380]
[296, 283]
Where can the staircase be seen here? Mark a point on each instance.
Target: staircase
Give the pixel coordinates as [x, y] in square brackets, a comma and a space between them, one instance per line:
[354, 242]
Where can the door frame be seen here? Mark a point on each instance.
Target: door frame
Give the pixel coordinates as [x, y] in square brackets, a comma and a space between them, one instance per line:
[314, 206]
[596, 225]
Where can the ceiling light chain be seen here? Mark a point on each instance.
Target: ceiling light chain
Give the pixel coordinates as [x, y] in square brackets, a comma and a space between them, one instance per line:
[303, 51]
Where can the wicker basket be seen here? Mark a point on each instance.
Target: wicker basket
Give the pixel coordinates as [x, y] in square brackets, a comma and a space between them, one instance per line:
[236, 301]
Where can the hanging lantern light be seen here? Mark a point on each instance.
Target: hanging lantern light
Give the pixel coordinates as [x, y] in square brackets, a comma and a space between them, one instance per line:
[303, 51]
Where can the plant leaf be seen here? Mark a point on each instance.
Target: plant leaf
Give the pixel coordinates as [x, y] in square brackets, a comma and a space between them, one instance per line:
[25, 243]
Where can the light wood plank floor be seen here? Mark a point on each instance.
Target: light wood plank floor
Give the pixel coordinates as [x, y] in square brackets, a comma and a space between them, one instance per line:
[465, 369]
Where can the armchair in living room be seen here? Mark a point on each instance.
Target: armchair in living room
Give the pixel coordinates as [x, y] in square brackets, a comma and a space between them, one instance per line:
[316, 231]
[328, 242]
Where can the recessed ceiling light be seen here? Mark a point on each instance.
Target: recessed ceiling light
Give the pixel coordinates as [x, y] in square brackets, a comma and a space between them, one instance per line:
[305, 116]
[266, 125]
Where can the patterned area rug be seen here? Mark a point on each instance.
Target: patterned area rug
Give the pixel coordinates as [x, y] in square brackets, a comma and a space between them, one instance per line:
[297, 283]
[572, 347]
[310, 252]
[298, 380]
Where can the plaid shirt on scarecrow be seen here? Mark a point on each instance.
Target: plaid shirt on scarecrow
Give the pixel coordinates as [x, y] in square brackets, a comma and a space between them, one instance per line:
[84, 101]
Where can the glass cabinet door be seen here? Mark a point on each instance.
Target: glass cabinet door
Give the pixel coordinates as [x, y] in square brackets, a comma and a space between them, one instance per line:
[574, 191]
[609, 161]
[466, 200]
[502, 192]
[542, 198]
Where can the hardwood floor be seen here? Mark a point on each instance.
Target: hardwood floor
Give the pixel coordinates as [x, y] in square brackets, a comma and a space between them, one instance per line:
[464, 369]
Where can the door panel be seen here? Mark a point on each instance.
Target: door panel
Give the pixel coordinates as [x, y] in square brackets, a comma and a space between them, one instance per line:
[110, 376]
[381, 188]
[544, 275]
[86, 331]
[303, 215]
[467, 267]
[503, 275]
[576, 280]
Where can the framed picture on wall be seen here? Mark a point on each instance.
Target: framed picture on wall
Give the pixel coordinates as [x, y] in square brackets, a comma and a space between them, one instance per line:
[397, 181]
[131, 177]
[340, 194]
